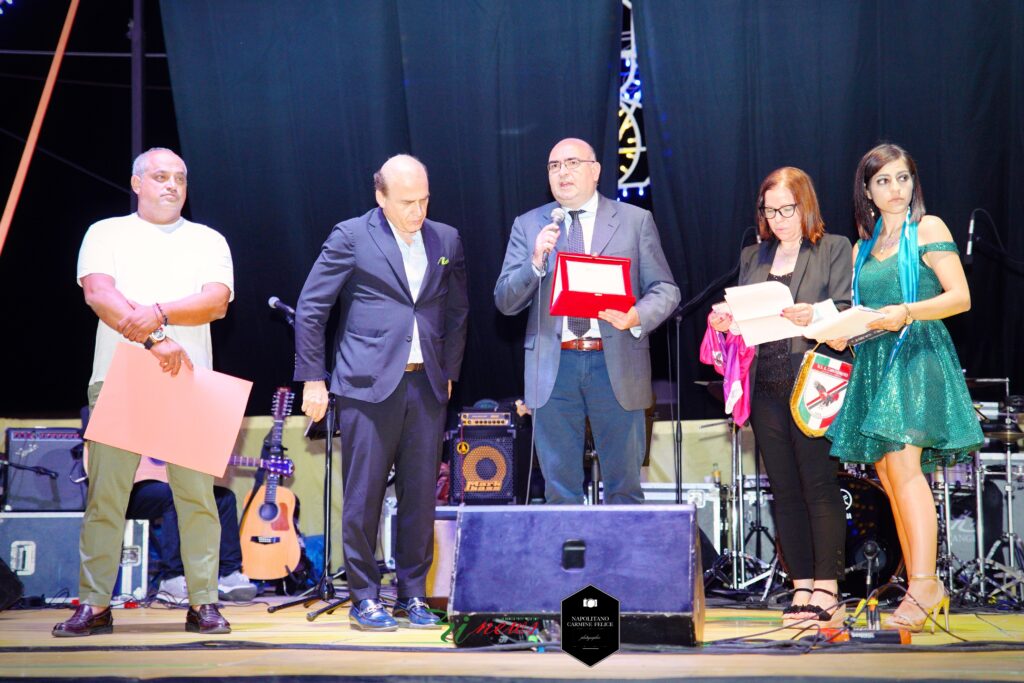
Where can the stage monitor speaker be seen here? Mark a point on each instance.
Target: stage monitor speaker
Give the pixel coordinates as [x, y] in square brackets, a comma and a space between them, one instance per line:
[482, 462]
[517, 564]
[56, 449]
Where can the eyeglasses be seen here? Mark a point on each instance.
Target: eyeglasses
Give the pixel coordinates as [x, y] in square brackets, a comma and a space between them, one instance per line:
[784, 211]
[571, 164]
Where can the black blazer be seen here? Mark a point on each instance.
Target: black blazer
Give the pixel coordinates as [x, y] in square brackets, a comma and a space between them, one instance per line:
[823, 271]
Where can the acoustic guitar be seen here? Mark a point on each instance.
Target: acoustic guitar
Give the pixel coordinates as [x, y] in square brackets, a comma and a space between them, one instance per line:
[270, 544]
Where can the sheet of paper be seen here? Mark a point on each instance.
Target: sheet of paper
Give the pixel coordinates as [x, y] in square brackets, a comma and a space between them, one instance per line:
[190, 420]
[852, 322]
[595, 278]
[759, 300]
[757, 312]
[823, 310]
[761, 330]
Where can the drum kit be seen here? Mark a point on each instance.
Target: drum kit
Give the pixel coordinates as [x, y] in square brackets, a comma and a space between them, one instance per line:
[994, 575]
[986, 574]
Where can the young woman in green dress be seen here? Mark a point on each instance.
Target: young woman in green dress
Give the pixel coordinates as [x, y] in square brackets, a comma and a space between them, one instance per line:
[907, 409]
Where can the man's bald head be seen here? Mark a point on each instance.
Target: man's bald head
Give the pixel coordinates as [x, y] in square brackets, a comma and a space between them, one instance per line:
[572, 188]
[403, 192]
[405, 166]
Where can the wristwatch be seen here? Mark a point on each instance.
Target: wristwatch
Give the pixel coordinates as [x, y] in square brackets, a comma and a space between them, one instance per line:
[157, 336]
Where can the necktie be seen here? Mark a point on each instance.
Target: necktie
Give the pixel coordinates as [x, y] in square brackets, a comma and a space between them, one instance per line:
[578, 326]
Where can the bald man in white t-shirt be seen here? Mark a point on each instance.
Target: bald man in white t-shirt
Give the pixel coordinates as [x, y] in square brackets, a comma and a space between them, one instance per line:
[157, 280]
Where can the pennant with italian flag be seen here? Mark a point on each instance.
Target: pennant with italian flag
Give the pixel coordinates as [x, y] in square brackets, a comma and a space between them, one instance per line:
[819, 392]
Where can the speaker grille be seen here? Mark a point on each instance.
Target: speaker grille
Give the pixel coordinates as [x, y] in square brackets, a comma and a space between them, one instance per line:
[482, 466]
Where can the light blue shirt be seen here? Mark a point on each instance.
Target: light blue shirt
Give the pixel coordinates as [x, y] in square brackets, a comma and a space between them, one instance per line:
[414, 259]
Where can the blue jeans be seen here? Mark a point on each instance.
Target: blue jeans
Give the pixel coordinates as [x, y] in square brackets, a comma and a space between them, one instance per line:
[583, 389]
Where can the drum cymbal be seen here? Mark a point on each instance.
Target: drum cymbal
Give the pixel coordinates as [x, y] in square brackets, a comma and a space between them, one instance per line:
[1005, 436]
[1004, 433]
[977, 382]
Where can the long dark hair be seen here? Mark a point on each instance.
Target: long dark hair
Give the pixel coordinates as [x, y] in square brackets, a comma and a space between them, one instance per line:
[870, 164]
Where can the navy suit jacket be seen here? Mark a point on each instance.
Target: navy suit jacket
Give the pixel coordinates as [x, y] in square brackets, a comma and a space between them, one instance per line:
[619, 230]
[360, 268]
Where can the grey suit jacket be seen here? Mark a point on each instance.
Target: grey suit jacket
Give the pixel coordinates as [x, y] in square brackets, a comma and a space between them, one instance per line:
[360, 268]
[823, 271]
[619, 230]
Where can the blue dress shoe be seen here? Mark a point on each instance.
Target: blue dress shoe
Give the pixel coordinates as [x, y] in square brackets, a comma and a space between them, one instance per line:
[370, 615]
[415, 613]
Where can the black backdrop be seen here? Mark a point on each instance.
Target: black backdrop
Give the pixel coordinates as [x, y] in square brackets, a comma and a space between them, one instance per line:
[734, 90]
[285, 109]
[285, 114]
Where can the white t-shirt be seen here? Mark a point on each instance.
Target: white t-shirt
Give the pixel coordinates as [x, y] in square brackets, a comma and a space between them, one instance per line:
[153, 263]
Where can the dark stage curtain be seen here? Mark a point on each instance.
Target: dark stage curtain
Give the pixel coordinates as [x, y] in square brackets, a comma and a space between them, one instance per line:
[733, 90]
[286, 109]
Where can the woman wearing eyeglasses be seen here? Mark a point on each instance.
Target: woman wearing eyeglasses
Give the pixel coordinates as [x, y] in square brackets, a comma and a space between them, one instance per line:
[809, 514]
[907, 409]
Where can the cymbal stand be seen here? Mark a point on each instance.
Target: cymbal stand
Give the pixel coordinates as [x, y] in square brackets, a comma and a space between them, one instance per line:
[978, 586]
[758, 530]
[944, 558]
[1013, 578]
[736, 555]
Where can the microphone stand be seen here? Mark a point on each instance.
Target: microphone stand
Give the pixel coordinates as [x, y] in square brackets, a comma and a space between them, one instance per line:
[683, 310]
[29, 468]
[324, 589]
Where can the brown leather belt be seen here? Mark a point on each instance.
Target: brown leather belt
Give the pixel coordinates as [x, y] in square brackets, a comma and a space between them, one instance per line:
[585, 344]
[414, 367]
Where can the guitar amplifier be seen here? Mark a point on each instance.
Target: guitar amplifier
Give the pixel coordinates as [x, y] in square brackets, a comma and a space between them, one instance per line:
[42, 550]
[56, 449]
[482, 465]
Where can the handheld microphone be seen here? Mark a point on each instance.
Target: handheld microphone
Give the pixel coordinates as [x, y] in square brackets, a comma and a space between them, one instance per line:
[277, 304]
[557, 217]
[969, 253]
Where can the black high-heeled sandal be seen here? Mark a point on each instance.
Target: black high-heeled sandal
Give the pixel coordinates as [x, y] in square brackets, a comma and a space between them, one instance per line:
[795, 609]
[824, 618]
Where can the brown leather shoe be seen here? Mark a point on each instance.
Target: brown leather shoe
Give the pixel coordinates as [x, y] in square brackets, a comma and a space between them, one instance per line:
[86, 621]
[206, 620]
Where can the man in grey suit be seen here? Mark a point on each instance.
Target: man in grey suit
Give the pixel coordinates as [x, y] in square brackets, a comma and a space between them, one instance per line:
[577, 367]
[400, 282]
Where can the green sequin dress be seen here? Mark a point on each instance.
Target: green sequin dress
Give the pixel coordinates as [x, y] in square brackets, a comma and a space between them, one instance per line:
[922, 399]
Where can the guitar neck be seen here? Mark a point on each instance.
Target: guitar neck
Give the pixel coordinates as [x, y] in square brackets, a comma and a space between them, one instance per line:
[245, 461]
[271, 488]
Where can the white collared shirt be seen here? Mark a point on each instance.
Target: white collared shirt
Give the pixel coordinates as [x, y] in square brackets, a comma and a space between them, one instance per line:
[414, 259]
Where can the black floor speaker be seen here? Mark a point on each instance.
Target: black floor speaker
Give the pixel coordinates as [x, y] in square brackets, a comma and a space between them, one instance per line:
[517, 564]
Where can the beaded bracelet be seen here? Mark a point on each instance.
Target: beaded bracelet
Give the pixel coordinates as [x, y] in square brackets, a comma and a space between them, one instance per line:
[164, 315]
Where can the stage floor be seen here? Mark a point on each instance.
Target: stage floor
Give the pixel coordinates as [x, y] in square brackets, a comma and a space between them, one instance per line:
[152, 644]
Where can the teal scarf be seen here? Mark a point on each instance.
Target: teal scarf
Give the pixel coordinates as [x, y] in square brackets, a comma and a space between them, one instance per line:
[906, 264]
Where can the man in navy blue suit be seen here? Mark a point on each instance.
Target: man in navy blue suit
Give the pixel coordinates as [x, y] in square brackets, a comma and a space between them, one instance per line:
[400, 283]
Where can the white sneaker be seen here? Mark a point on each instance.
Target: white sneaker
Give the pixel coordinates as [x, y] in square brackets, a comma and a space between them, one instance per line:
[236, 587]
[174, 590]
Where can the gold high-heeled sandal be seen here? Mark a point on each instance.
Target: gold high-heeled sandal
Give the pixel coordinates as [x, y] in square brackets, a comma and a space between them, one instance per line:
[928, 613]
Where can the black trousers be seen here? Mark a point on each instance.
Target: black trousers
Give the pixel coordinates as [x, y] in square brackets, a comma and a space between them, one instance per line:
[404, 430]
[810, 517]
[153, 500]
